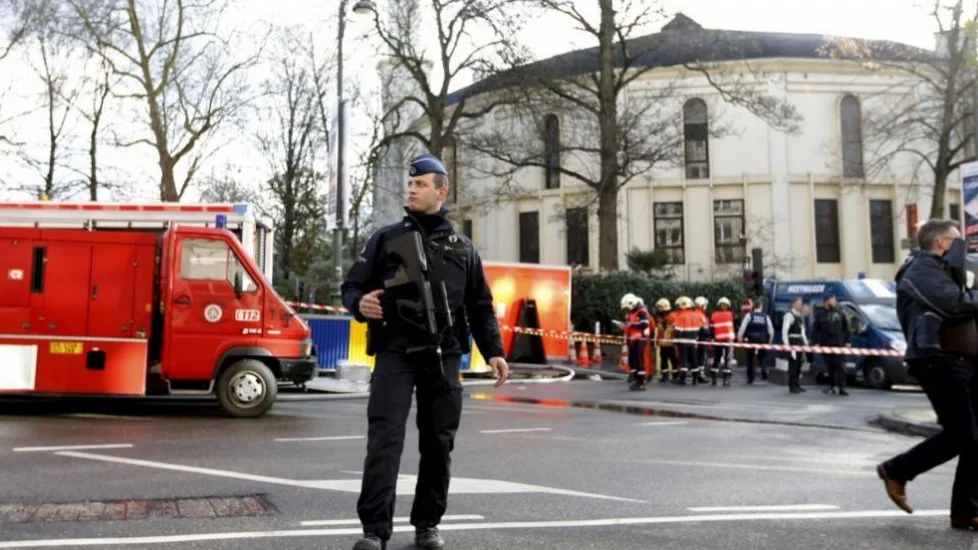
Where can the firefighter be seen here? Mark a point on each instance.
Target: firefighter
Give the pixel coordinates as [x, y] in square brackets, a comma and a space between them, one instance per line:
[722, 325]
[702, 357]
[664, 333]
[687, 328]
[636, 329]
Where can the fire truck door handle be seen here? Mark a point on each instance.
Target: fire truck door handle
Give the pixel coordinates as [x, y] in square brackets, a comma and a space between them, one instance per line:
[94, 292]
[182, 300]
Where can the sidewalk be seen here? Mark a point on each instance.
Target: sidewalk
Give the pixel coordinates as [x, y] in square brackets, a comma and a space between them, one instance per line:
[762, 403]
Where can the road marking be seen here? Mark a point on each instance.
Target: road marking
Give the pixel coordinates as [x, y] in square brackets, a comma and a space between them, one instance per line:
[72, 447]
[610, 522]
[404, 519]
[765, 508]
[515, 430]
[405, 483]
[763, 467]
[663, 423]
[327, 438]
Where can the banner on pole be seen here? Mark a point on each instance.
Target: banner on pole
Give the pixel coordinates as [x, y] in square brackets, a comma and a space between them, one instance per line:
[969, 173]
[338, 181]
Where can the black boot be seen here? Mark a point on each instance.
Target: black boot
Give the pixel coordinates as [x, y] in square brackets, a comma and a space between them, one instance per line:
[370, 542]
[428, 538]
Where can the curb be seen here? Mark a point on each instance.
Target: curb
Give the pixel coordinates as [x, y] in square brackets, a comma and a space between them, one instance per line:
[892, 422]
[642, 410]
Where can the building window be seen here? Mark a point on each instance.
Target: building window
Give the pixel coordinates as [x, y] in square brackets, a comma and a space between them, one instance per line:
[728, 231]
[954, 211]
[695, 130]
[577, 237]
[467, 228]
[827, 249]
[551, 142]
[852, 137]
[881, 231]
[530, 237]
[668, 224]
[450, 152]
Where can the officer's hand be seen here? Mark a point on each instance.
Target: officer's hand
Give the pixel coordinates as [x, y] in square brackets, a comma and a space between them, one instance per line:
[501, 369]
[370, 305]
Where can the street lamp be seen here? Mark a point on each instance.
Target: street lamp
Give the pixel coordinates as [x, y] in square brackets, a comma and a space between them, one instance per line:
[360, 8]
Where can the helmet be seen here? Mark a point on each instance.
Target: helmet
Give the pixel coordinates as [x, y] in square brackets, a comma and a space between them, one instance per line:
[702, 302]
[629, 301]
[663, 304]
[723, 302]
[683, 302]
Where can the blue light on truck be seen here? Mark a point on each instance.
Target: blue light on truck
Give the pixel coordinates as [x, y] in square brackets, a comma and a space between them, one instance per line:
[221, 222]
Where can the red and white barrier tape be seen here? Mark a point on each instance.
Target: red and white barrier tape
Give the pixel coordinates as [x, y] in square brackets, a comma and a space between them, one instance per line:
[610, 339]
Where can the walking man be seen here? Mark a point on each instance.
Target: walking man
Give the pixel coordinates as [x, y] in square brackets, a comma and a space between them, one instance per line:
[372, 290]
[831, 328]
[793, 334]
[929, 303]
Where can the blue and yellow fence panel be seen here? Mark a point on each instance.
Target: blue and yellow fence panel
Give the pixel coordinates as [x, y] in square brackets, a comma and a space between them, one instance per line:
[341, 338]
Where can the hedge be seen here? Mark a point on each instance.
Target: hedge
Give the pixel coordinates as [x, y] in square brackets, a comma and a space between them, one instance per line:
[597, 297]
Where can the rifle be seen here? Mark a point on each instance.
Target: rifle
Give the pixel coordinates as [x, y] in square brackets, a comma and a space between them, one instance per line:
[415, 269]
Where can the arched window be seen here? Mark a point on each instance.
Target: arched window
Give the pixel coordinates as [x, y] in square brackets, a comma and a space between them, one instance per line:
[852, 137]
[551, 143]
[696, 138]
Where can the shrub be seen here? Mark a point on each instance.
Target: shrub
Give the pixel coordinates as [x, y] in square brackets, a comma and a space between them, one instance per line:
[597, 297]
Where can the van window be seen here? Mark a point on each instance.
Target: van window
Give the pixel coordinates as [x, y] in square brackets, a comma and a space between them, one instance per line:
[209, 260]
[882, 317]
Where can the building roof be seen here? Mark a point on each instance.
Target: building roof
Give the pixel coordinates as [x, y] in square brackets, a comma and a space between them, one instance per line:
[683, 40]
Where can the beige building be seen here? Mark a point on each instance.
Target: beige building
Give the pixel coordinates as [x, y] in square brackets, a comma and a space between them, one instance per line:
[806, 198]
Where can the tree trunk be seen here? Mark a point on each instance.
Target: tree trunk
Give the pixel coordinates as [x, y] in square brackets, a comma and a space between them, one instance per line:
[608, 122]
[92, 165]
[608, 229]
[940, 192]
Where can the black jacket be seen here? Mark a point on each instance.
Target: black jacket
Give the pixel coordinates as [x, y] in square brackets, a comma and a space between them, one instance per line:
[469, 296]
[927, 298]
[830, 328]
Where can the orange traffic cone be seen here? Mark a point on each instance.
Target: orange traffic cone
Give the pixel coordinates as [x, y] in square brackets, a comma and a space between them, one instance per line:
[572, 351]
[583, 358]
[596, 356]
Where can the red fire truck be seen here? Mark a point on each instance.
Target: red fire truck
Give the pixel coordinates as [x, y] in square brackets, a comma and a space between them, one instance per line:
[144, 299]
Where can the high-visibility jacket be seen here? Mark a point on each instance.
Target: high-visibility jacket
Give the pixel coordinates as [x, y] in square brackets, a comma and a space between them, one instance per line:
[665, 329]
[688, 324]
[638, 324]
[722, 322]
[704, 319]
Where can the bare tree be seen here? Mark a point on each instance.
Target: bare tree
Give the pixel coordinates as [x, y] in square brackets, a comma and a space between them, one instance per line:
[628, 130]
[17, 17]
[927, 112]
[460, 54]
[179, 68]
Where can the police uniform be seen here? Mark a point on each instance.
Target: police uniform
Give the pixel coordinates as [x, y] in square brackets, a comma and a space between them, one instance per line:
[399, 368]
[756, 328]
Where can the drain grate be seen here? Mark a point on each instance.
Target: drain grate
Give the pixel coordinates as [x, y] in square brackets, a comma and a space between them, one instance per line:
[138, 509]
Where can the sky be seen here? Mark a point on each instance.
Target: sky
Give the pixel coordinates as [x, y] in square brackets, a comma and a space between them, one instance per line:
[904, 21]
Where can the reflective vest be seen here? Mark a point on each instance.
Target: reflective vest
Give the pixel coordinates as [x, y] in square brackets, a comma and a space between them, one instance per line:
[688, 324]
[756, 327]
[638, 324]
[722, 322]
[665, 330]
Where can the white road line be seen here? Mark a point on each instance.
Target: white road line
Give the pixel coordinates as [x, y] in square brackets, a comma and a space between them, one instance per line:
[663, 423]
[404, 519]
[72, 447]
[328, 438]
[762, 467]
[611, 522]
[515, 430]
[766, 508]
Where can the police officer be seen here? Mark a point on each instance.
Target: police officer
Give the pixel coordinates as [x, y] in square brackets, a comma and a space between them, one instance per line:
[831, 328]
[756, 328]
[393, 338]
[793, 334]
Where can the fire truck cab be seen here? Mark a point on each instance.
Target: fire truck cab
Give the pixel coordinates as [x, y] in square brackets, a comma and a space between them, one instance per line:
[94, 304]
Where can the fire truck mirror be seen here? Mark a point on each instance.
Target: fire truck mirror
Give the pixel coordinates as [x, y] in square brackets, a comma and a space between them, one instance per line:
[95, 360]
[238, 284]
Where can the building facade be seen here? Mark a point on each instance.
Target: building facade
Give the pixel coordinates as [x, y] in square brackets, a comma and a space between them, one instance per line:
[807, 199]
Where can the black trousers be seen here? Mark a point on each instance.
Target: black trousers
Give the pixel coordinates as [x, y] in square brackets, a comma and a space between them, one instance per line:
[951, 388]
[667, 357]
[636, 358]
[837, 369]
[439, 412]
[751, 353]
[794, 370]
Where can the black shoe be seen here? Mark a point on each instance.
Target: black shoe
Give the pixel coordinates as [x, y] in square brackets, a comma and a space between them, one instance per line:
[370, 542]
[842, 391]
[428, 538]
[830, 389]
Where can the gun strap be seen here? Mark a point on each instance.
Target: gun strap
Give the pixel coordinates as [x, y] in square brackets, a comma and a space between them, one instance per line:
[437, 262]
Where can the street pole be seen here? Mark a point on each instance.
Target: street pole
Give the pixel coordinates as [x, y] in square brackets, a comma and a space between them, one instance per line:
[340, 146]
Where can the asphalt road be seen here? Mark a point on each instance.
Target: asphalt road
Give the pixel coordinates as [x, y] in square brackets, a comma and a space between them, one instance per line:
[525, 477]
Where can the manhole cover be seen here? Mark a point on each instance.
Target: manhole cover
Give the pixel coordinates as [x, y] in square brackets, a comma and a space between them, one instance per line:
[137, 509]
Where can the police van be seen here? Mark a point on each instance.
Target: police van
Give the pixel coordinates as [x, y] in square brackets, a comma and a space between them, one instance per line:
[870, 307]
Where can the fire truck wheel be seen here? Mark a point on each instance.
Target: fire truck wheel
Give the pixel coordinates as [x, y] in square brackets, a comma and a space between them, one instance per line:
[247, 388]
